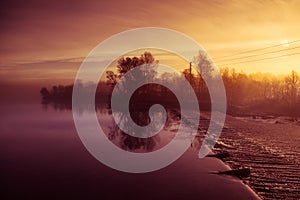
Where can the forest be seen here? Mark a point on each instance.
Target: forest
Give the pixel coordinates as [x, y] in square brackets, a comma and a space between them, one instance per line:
[255, 94]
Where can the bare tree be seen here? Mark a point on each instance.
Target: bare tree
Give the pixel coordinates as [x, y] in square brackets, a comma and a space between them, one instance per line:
[292, 82]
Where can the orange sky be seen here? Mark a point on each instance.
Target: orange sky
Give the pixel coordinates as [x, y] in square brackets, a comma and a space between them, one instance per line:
[47, 40]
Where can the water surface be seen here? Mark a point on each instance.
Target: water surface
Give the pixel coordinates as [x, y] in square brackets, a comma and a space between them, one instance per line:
[42, 157]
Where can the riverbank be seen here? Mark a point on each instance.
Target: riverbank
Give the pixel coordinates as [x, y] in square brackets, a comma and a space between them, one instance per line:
[270, 148]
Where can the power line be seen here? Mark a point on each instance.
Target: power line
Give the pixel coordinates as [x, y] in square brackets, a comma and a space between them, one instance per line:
[263, 59]
[270, 52]
[258, 49]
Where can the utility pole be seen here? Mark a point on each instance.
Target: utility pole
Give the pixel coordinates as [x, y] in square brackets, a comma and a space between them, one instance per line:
[190, 77]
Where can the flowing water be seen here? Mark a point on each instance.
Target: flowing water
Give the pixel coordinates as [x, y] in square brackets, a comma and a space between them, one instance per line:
[271, 148]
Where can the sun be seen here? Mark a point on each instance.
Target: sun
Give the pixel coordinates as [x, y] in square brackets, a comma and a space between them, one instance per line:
[285, 42]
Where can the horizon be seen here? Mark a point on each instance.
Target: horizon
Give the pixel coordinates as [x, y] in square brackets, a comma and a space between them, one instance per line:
[33, 73]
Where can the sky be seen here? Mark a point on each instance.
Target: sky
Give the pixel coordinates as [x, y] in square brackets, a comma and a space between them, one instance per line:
[47, 40]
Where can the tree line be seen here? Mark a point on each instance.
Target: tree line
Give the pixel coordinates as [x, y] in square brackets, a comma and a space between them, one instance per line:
[250, 94]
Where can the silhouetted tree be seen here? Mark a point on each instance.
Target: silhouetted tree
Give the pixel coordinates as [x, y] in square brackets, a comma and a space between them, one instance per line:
[45, 93]
[112, 77]
[292, 82]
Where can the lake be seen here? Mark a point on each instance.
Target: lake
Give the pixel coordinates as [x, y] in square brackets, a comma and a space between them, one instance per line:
[42, 157]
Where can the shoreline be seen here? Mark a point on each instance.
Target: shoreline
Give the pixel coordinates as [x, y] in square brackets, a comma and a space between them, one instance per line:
[274, 168]
[204, 120]
[212, 185]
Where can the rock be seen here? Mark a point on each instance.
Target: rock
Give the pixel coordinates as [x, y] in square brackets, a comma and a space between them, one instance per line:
[240, 173]
[220, 155]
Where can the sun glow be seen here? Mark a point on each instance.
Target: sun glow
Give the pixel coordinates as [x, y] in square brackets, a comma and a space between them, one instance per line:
[285, 43]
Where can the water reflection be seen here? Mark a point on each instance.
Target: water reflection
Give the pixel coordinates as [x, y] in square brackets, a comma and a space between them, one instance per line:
[140, 117]
[136, 144]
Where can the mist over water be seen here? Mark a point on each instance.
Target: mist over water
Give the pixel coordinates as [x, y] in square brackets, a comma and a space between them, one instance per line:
[41, 149]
